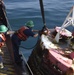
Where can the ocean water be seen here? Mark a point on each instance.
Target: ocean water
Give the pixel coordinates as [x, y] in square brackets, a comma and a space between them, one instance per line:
[21, 11]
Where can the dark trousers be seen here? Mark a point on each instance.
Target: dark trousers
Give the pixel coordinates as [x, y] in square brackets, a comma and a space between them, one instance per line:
[16, 42]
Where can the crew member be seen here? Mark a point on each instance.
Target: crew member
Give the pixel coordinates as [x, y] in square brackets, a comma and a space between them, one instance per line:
[22, 35]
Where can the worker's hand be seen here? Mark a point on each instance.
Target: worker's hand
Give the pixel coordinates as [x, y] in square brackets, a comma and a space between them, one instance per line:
[39, 32]
[35, 35]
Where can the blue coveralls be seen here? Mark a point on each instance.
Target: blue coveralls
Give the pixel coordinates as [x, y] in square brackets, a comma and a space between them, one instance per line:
[1, 59]
[16, 43]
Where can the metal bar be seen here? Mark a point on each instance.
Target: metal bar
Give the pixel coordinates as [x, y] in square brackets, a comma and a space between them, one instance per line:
[42, 12]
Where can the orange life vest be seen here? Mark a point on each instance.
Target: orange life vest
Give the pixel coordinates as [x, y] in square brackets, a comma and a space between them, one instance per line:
[3, 38]
[20, 34]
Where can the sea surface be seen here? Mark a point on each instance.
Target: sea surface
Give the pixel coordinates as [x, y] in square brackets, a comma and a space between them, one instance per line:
[21, 11]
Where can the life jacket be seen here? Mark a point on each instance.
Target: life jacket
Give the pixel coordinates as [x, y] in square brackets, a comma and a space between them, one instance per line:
[3, 39]
[21, 34]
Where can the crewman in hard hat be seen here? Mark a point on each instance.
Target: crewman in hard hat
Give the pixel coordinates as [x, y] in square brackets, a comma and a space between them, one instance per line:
[3, 30]
[21, 35]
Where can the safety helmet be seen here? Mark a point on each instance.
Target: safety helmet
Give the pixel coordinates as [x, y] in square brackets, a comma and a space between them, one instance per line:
[30, 24]
[3, 28]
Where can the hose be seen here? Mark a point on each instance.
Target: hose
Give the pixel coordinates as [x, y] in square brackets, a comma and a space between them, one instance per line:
[31, 47]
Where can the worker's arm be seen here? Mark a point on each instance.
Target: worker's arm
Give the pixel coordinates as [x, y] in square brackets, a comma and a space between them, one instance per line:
[35, 35]
[35, 30]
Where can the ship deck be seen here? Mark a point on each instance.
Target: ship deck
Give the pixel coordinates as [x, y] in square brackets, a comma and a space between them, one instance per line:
[10, 68]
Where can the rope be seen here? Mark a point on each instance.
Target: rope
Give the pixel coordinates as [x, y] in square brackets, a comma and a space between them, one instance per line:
[7, 20]
[27, 64]
[20, 46]
[31, 47]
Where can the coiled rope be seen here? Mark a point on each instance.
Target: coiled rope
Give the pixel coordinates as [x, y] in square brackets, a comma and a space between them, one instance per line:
[30, 47]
